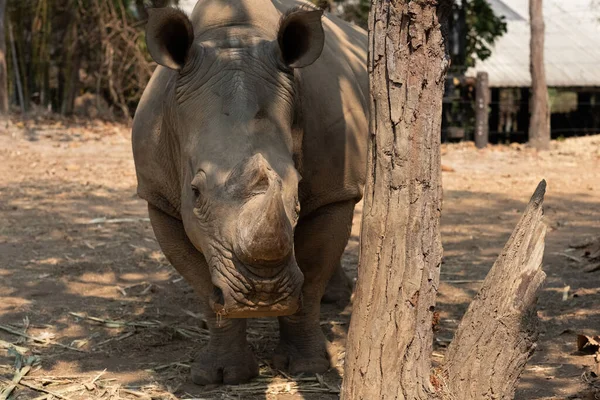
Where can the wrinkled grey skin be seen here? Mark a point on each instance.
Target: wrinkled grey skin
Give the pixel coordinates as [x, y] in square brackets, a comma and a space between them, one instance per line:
[250, 149]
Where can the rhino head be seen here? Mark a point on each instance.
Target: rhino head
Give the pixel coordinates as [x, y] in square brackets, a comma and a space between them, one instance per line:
[232, 108]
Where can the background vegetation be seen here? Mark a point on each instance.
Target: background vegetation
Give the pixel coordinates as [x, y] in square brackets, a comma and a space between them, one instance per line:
[89, 57]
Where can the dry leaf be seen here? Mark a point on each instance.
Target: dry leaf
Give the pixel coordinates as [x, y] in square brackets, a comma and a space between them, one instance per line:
[565, 295]
[588, 344]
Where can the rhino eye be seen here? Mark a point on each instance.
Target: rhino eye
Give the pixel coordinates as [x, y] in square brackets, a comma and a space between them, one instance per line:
[198, 182]
[196, 191]
[261, 114]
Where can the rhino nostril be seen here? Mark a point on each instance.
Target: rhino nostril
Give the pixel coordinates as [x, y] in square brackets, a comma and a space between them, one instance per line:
[217, 296]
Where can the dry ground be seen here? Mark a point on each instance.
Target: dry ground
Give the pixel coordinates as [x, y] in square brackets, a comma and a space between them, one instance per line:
[75, 244]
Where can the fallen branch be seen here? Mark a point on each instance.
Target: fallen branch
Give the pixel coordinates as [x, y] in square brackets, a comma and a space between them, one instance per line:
[117, 338]
[8, 345]
[93, 381]
[109, 323]
[136, 393]
[173, 364]
[104, 220]
[592, 268]
[15, 381]
[568, 256]
[38, 340]
[75, 387]
[42, 390]
[185, 331]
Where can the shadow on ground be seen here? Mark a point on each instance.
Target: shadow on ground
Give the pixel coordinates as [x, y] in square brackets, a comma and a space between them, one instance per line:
[70, 251]
[55, 262]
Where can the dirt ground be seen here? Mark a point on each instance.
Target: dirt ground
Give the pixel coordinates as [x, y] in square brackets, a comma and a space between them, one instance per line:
[97, 312]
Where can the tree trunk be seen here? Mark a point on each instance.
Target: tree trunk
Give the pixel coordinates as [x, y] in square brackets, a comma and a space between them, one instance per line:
[71, 83]
[539, 124]
[390, 337]
[482, 102]
[14, 57]
[3, 70]
[71, 67]
[497, 335]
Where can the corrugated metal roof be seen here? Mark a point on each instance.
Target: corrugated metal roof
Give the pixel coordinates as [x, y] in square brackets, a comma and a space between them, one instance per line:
[572, 44]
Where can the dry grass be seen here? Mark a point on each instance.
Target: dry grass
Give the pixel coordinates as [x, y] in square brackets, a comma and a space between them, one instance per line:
[29, 379]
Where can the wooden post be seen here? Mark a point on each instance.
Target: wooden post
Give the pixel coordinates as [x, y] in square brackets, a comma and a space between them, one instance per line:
[482, 102]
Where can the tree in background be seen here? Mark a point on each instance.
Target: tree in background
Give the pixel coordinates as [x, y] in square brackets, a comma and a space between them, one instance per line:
[473, 29]
[65, 48]
[358, 12]
[473, 26]
[3, 70]
[539, 123]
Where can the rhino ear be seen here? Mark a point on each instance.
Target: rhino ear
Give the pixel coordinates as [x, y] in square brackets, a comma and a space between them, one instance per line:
[301, 37]
[169, 36]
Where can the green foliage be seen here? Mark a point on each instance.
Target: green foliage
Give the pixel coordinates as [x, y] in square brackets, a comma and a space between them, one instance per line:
[473, 26]
[483, 27]
[358, 13]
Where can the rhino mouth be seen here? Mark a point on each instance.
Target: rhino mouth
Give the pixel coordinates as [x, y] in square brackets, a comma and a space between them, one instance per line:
[247, 291]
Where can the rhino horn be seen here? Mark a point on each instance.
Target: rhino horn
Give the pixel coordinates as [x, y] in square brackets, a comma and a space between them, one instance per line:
[264, 231]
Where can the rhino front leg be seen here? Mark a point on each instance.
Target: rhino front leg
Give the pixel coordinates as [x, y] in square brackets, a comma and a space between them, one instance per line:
[320, 239]
[227, 358]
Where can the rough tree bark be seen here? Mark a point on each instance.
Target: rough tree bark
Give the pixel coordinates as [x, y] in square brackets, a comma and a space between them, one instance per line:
[389, 342]
[539, 123]
[3, 70]
[390, 336]
[497, 335]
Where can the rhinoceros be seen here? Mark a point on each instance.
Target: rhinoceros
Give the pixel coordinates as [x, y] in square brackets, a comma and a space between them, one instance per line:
[250, 149]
